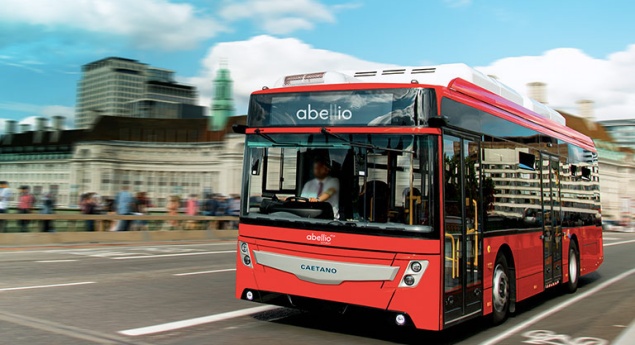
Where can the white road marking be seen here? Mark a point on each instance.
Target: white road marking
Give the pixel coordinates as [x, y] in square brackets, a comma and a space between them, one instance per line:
[617, 243]
[53, 261]
[44, 286]
[611, 238]
[506, 334]
[170, 255]
[550, 337]
[204, 272]
[627, 336]
[170, 326]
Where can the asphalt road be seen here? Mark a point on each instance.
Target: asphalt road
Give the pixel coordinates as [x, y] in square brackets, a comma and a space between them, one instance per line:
[183, 294]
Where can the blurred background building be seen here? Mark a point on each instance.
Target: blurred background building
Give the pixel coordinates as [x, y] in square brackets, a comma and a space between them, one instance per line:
[117, 86]
[158, 155]
[615, 154]
[622, 131]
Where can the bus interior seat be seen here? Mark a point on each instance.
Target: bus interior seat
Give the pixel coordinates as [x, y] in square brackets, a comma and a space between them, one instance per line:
[374, 201]
[348, 191]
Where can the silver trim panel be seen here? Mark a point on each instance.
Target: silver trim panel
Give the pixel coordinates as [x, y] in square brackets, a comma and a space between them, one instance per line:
[325, 271]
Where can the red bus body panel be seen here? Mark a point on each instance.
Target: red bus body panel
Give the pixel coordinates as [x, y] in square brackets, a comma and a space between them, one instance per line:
[423, 303]
[388, 251]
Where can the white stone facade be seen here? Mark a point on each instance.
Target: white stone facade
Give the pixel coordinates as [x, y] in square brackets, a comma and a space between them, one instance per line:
[160, 169]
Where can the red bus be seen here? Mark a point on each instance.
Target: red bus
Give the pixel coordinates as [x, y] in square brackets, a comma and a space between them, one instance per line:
[434, 194]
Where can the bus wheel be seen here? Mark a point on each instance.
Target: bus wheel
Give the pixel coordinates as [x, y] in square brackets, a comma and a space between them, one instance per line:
[501, 289]
[574, 268]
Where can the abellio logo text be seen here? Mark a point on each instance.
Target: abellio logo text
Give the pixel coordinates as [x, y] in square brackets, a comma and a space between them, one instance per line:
[323, 238]
[334, 112]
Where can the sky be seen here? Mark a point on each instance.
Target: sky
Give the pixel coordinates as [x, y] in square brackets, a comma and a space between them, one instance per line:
[581, 49]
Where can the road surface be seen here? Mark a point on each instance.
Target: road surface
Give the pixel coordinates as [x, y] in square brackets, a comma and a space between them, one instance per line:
[183, 294]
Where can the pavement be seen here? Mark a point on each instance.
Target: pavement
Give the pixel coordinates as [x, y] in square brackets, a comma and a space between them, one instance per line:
[182, 293]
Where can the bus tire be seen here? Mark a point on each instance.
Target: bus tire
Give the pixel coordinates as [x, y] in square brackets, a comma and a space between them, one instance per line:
[573, 268]
[501, 290]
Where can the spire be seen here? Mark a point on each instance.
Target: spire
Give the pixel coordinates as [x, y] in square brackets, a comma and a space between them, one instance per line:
[223, 101]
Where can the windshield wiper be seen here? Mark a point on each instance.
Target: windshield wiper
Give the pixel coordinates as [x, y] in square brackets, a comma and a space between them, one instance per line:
[340, 223]
[263, 135]
[259, 133]
[364, 145]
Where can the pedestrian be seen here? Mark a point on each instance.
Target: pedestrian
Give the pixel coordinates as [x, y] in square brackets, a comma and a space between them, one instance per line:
[173, 209]
[90, 207]
[221, 209]
[234, 209]
[207, 206]
[25, 204]
[5, 198]
[48, 207]
[109, 208]
[192, 205]
[141, 205]
[192, 209]
[123, 202]
[234, 206]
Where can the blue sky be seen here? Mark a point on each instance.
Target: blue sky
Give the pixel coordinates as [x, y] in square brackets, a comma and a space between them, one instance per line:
[583, 49]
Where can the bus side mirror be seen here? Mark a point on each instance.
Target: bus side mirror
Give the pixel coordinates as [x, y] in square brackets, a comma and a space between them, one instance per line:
[438, 121]
[255, 167]
[239, 129]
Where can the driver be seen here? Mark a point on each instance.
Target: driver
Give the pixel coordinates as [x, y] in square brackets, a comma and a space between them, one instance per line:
[323, 188]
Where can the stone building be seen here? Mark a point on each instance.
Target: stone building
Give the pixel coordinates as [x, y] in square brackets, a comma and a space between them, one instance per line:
[160, 156]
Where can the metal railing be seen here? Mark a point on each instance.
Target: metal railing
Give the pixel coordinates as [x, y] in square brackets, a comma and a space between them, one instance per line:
[13, 222]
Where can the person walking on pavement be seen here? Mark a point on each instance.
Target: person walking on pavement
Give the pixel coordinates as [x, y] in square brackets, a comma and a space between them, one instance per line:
[90, 206]
[173, 210]
[192, 209]
[123, 202]
[48, 207]
[5, 198]
[25, 204]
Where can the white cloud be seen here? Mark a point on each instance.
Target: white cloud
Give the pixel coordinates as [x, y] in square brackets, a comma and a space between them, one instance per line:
[572, 75]
[262, 60]
[47, 111]
[281, 16]
[147, 23]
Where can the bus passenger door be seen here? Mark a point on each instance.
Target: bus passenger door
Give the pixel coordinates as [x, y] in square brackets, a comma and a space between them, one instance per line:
[462, 296]
[552, 231]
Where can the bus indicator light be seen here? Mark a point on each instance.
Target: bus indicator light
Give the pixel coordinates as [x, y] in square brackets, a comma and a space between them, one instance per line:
[415, 266]
[409, 280]
[400, 320]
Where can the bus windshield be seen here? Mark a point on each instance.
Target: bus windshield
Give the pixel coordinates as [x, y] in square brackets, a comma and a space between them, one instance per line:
[378, 184]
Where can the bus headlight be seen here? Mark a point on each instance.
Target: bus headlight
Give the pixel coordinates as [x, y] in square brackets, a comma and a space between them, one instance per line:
[414, 271]
[415, 266]
[244, 253]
